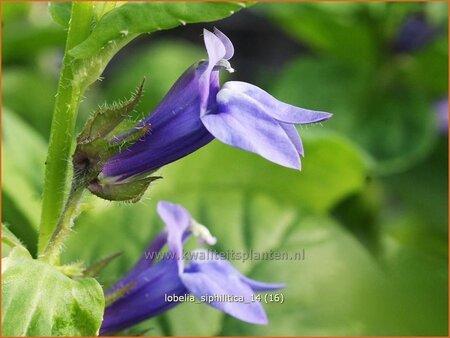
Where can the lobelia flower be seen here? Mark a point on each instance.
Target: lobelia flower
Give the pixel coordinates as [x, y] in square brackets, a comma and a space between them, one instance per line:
[144, 289]
[196, 110]
[441, 111]
[414, 33]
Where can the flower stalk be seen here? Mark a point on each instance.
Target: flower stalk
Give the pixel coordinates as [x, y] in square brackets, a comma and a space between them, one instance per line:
[67, 102]
[54, 246]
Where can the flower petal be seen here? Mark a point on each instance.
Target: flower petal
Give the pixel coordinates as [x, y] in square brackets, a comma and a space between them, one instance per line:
[229, 49]
[177, 220]
[145, 299]
[241, 122]
[208, 258]
[145, 262]
[293, 135]
[229, 293]
[202, 257]
[216, 51]
[214, 47]
[262, 286]
[278, 110]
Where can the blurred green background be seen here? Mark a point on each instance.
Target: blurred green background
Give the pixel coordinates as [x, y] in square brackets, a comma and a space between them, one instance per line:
[369, 206]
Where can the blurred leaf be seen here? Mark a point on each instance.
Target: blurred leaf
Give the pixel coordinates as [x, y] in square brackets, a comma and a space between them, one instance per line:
[416, 262]
[428, 68]
[14, 10]
[359, 213]
[323, 84]
[37, 107]
[436, 12]
[339, 290]
[60, 12]
[381, 111]
[133, 19]
[23, 157]
[38, 300]
[324, 291]
[23, 40]
[396, 126]
[331, 29]
[428, 195]
[411, 229]
[129, 229]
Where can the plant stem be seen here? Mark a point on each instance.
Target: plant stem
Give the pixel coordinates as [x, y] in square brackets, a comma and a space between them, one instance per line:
[54, 246]
[65, 112]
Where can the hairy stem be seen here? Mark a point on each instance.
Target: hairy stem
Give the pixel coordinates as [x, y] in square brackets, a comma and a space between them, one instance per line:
[68, 98]
[55, 245]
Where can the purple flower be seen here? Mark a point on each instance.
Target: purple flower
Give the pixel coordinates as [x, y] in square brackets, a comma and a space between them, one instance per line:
[208, 277]
[414, 33]
[441, 110]
[197, 109]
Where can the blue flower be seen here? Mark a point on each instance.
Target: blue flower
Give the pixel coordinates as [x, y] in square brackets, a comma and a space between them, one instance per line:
[441, 111]
[208, 277]
[197, 109]
[414, 33]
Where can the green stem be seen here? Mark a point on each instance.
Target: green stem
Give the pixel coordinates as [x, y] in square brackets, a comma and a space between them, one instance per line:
[65, 113]
[54, 247]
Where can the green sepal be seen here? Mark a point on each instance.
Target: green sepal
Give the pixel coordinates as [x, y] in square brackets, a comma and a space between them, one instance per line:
[122, 191]
[98, 141]
[119, 293]
[94, 269]
[116, 146]
[107, 118]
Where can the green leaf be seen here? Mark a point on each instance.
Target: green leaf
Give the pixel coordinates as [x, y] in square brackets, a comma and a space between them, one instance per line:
[60, 12]
[320, 297]
[9, 241]
[128, 229]
[429, 68]
[417, 262]
[23, 40]
[338, 289]
[133, 19]
[38, 300]
[9, 238]
[14, 10]
[103, 7]
[23, 161]
[326, 27]
[429, 193]
[39, 86]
